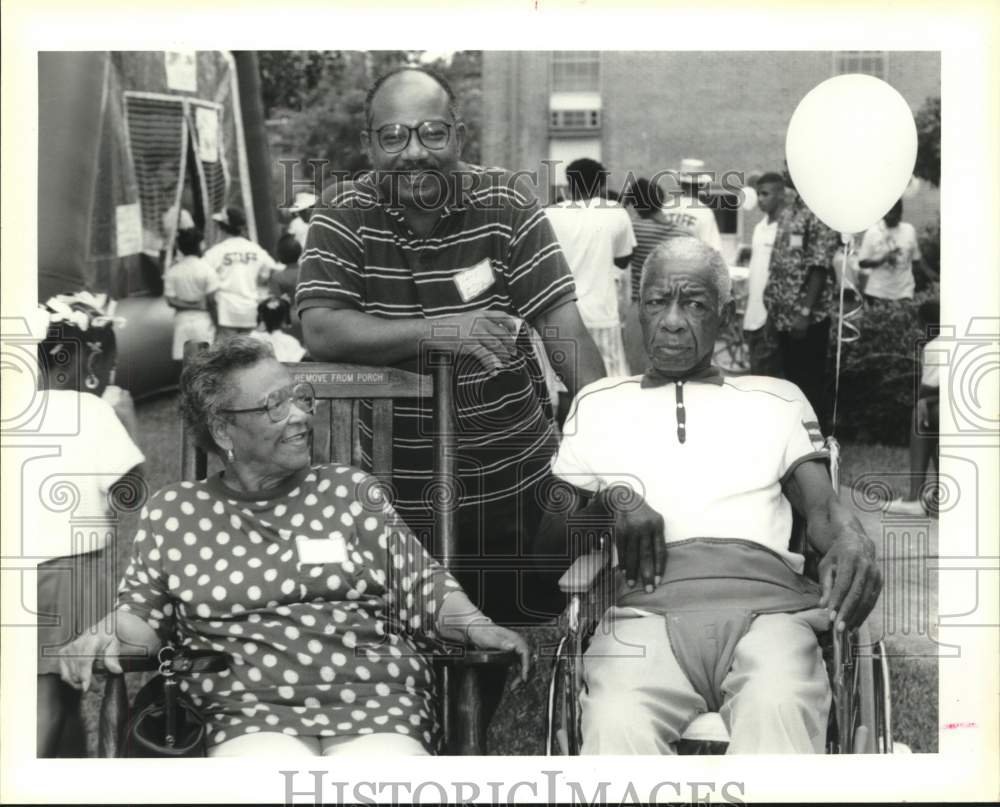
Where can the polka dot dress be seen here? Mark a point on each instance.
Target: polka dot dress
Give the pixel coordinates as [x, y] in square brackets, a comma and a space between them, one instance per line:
[318, 592]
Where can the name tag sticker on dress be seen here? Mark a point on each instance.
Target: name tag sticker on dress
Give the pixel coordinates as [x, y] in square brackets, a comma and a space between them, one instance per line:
[321, 550]
[795, 241]
[475, 280]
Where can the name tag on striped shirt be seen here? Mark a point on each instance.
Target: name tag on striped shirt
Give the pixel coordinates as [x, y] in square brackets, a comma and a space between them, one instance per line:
[321, 550]
[475, 280]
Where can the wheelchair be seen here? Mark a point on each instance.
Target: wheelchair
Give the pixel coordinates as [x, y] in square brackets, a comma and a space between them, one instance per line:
[860, 719]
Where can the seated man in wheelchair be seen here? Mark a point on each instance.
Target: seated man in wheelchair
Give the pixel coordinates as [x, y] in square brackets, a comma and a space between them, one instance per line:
[696, 476]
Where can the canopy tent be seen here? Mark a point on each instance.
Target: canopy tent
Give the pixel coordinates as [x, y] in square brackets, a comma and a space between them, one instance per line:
[127, 139]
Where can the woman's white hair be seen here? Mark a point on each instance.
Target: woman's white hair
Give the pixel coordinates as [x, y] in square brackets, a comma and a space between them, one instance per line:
[689, 248]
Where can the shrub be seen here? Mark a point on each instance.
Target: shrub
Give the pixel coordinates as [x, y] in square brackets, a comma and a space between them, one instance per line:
[879, 373]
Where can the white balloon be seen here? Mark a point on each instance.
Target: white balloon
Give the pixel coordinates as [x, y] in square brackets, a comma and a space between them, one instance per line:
[851, 147]
[749, 199]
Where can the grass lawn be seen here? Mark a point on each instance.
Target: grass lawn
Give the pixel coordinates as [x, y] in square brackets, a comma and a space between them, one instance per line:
[518, 728]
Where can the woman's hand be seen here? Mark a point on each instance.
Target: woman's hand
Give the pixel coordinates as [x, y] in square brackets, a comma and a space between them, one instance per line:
[487, 635]
[76, 659]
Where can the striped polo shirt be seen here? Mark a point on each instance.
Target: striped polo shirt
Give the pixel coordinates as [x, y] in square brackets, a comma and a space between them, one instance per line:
[492, 250]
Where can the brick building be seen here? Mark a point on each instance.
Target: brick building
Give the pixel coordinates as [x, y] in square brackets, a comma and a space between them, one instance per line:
[643, 111]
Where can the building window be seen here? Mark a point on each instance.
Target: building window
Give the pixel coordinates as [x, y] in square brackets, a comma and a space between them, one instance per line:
[576, 71]
[870, 62]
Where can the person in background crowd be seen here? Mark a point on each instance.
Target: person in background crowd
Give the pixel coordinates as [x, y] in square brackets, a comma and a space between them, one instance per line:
[596, 236]
[799, 299]
[241, 265]
[284, 281]
[273, 315]
[392, 271]
[924, 435]
[190, 287]
[887, 256]
[98, 453]
[688, 213]
[758, 330]
[301, 211]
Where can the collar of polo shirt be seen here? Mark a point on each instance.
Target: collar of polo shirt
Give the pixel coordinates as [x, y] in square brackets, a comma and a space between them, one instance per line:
[654, 378]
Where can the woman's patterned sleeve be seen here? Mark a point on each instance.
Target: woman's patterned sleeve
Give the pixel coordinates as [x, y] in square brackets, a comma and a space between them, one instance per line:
[143, 588]
[416, 584]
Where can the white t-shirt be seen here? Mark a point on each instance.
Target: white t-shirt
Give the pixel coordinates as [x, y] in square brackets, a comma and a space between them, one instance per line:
[760, 264]
[694, 218]
[592, 233]
[932, 357]
[64, 496]
[243, 268]
[286, 347]
[298, 228]
[743, 438]
[891, 281]
[191, 280]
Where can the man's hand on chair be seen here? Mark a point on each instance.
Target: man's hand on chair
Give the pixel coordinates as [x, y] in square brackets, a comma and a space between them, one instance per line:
[851, 579]
[639, 536]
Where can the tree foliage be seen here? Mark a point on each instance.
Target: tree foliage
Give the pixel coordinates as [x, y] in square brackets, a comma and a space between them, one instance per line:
[320, 96]
[928, 120]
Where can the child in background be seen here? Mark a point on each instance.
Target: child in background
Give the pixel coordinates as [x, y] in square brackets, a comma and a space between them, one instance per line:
[190, 287]
[924, 434]
[74, 546]
[274, 314]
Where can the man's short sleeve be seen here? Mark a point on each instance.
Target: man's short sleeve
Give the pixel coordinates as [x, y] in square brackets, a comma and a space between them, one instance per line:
[624, 243]
[912, 236]
[169, 284]
[209, 278]
[804, 439]
[538, 277]
[822, 243]
[572, 462]
[331, 269]
[869, 243]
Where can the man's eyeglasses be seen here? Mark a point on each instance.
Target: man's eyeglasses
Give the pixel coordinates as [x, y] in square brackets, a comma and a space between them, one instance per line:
[279, 402]
[395, 137]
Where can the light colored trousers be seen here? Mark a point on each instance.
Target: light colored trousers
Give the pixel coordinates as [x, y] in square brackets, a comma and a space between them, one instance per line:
[637, 699]
[276, 744]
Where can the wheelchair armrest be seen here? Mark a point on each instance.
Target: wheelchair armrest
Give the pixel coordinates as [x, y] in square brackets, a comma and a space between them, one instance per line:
[457, 656]
[579, 578]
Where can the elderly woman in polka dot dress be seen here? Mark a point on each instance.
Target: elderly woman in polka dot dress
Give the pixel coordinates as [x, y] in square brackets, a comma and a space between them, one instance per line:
[303, 575]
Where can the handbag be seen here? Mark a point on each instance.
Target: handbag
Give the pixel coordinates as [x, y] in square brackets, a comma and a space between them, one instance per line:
[164, 721]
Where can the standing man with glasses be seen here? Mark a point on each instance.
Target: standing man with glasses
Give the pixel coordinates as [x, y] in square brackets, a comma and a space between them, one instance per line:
[428, 253]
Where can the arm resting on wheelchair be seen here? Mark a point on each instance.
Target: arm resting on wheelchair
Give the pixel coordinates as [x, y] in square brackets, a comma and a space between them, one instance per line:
[849, 572]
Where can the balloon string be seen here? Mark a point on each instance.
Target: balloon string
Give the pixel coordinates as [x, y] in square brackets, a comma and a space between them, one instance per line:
[844, 322]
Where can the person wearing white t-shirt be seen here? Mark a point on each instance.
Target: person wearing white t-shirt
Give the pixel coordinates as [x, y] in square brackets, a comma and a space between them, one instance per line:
[189, 287]
[596, 236]
[687, 212]
[926, 414]
[762, 341]
[887, 256]
[67, 523]
[244, 269]
[696, 476]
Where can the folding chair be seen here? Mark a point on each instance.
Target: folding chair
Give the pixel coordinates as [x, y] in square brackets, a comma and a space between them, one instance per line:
[340, 390]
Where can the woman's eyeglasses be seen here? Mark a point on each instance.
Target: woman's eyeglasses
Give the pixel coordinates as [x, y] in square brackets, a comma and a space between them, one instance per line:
[279, 403]
[395, 137]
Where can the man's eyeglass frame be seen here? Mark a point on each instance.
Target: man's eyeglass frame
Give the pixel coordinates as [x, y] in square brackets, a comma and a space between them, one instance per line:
[302, 394]
[409, 135]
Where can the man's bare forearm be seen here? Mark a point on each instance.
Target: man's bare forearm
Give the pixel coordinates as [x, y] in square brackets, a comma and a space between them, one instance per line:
[343, 334]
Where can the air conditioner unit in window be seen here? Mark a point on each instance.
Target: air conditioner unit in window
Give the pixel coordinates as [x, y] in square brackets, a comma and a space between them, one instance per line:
[567, 121]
